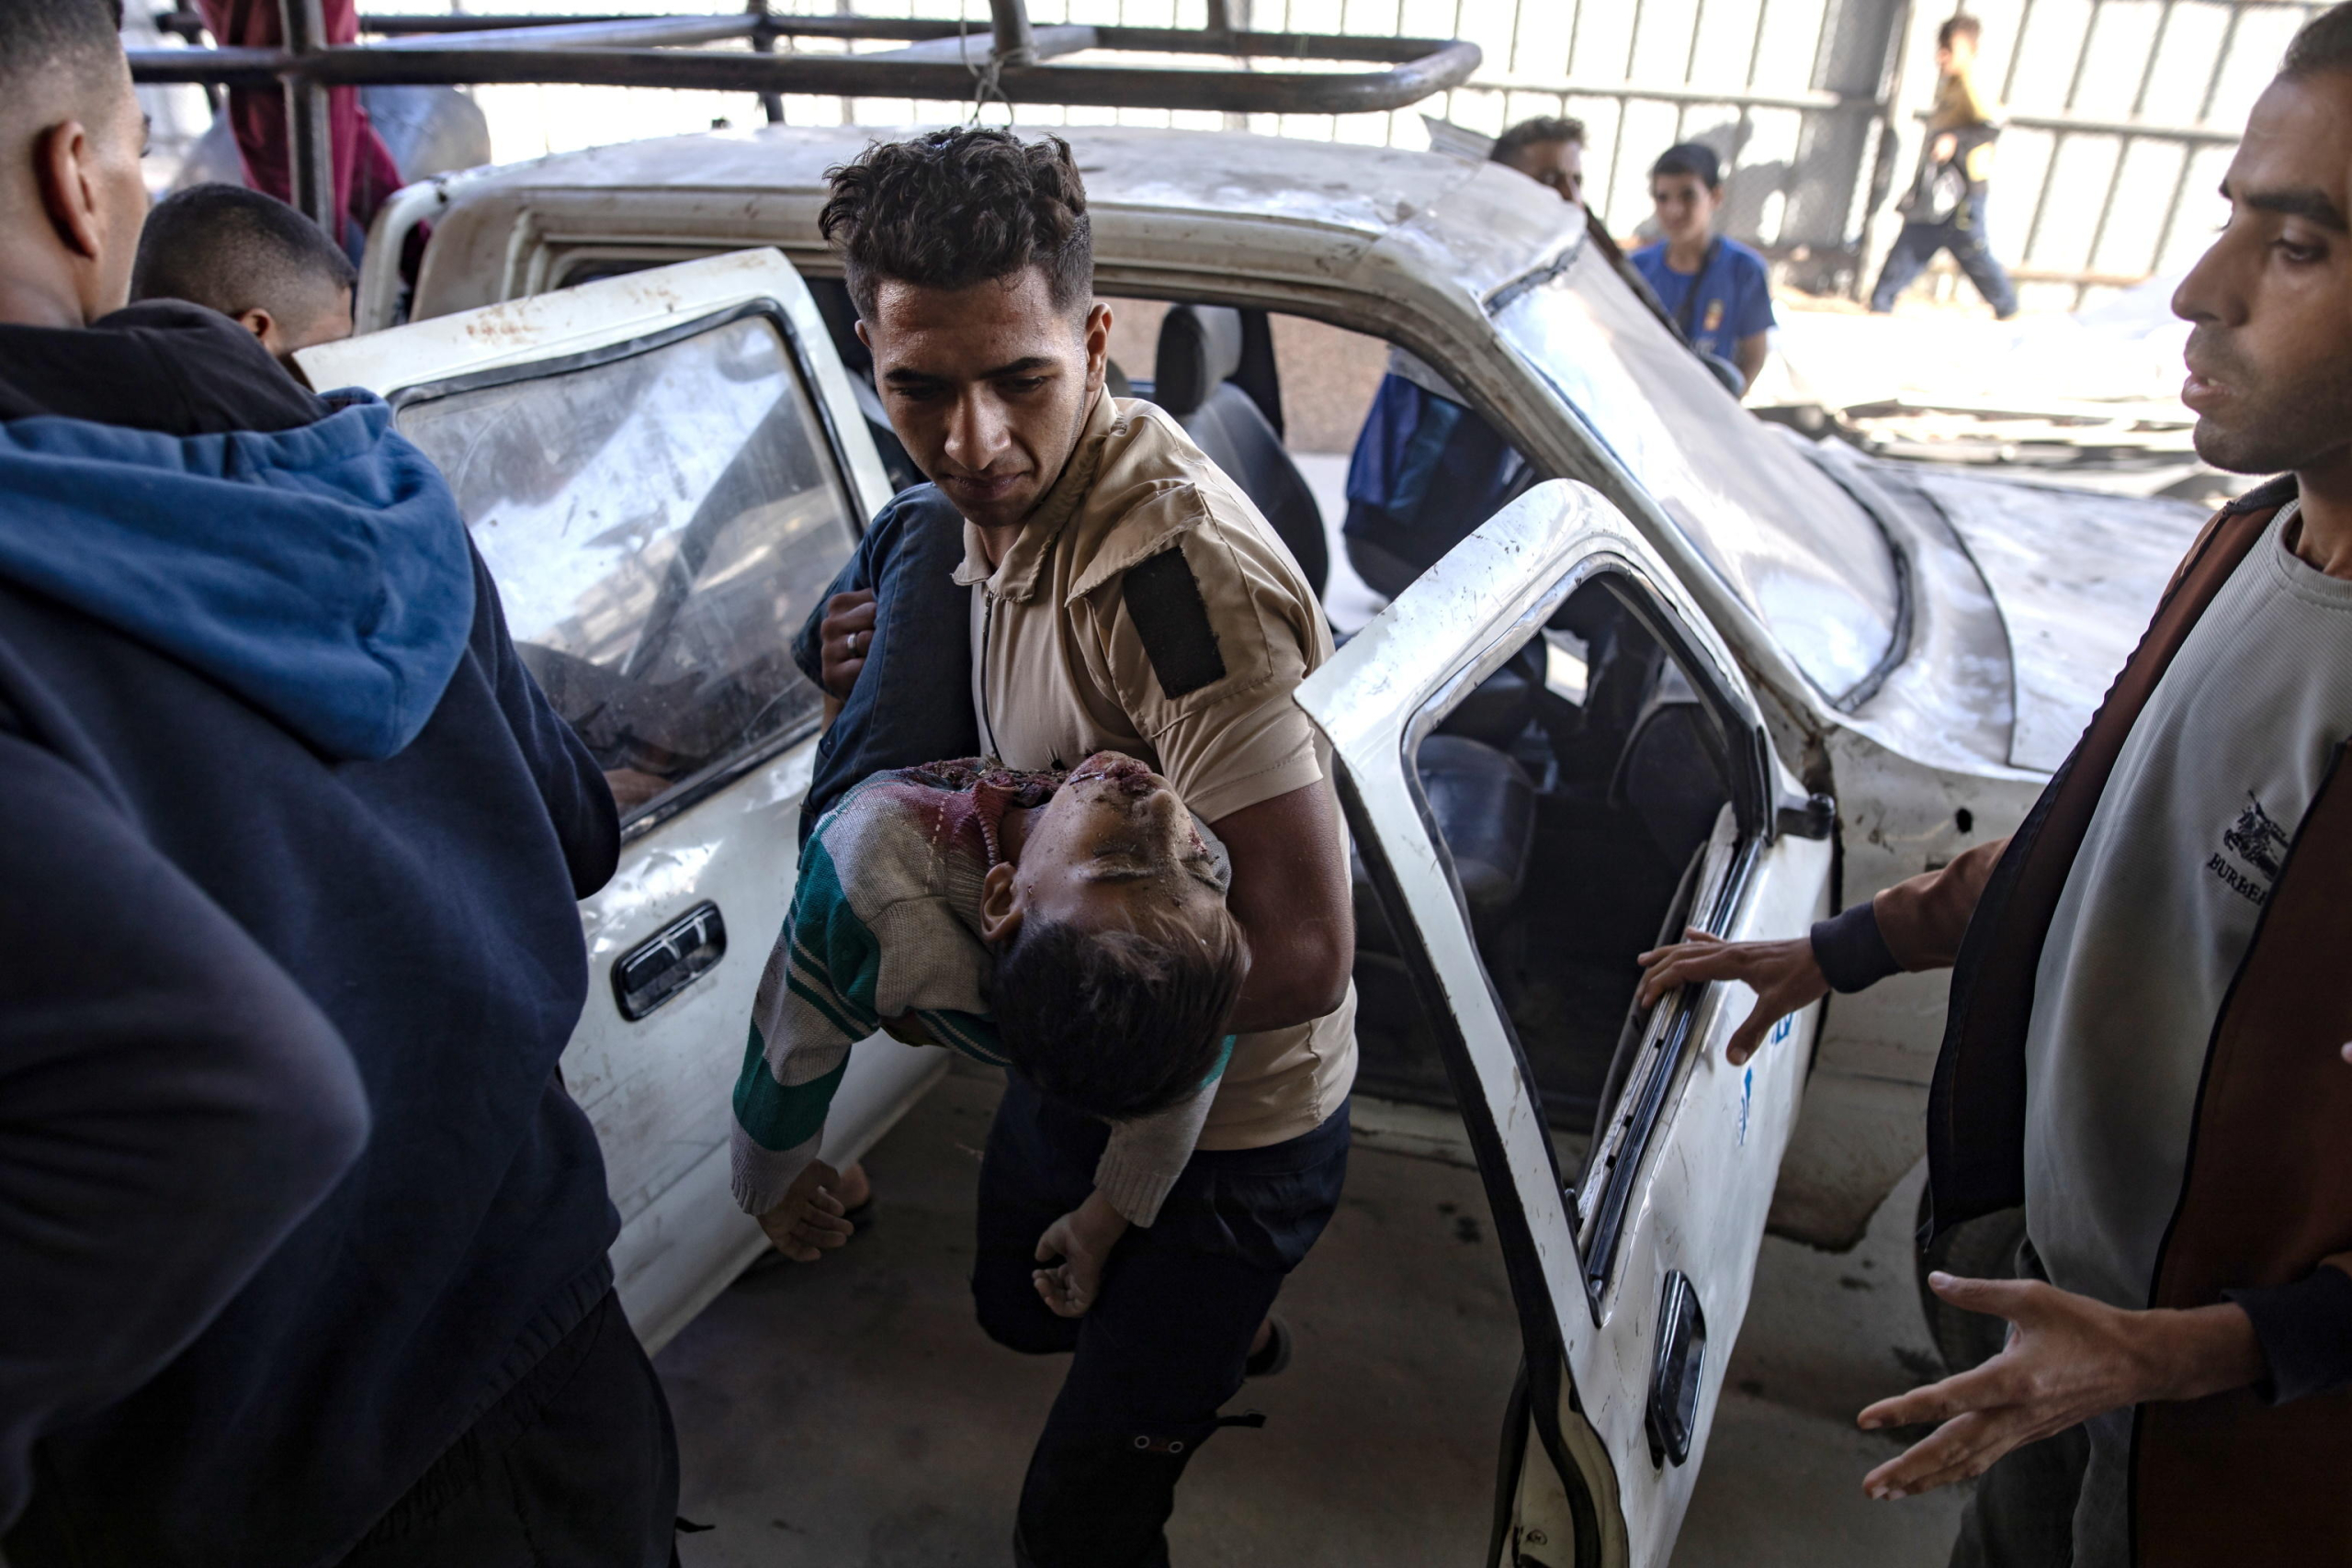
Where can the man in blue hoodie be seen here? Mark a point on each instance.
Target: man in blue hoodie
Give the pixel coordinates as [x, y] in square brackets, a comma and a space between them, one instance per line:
[302, 1243]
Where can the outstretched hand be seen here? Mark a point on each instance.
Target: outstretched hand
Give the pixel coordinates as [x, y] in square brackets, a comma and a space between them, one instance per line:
[807, 1224]
[2069, 1357]
[1785, 977]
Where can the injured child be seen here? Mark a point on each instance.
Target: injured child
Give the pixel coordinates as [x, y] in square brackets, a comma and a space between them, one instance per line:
[1070, 927]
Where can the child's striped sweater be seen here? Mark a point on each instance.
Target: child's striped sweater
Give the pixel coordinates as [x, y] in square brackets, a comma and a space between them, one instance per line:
[885, 922]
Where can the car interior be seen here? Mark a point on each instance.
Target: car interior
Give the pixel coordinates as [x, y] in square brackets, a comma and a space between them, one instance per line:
[1576, 789]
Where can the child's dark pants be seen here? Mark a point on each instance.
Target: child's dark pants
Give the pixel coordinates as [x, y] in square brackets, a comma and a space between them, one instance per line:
[1164, 1344]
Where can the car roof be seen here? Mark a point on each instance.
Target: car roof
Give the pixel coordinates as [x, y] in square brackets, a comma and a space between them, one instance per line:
[1306, 209]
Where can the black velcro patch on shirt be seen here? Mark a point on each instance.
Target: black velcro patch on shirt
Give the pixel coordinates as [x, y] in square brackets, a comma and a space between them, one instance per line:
[1163, 599]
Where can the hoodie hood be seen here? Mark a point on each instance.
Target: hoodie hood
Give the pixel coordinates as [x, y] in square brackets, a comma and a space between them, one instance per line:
[322, 573]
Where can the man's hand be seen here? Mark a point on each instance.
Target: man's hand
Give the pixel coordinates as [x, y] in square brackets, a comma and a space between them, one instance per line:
[843, 638]
[1082, 1239]
[2069, 1357]
[808, 1223]
[1785, 977]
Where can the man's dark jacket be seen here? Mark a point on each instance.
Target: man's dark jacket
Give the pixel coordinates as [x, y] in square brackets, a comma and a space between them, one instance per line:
[2264, 1212]
[289, 1189]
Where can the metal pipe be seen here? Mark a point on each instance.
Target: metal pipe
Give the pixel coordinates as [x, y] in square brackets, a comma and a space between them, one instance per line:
[1162, 40]
[310, 138]
[1048, 42]
[764, 42]
[1015, 44]
[1808, 101]
[1413, 78]
[2082, 125]
[624, 32]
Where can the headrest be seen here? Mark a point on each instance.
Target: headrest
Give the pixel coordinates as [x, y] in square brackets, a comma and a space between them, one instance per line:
[1200, 348]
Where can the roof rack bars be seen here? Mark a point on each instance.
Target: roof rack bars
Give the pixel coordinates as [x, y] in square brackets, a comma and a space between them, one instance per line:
[941, 61]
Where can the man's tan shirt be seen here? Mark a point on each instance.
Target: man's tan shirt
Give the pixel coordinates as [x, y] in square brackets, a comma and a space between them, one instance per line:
[1146, 608]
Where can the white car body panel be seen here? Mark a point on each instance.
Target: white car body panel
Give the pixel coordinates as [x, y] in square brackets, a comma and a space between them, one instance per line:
[657, 1089]
[1694, 1196]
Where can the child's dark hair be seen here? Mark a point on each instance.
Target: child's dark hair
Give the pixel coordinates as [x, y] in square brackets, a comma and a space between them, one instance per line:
[955, 208]
[233, 250]
[1959, 25]
[1694, 158]
[1117, 1023]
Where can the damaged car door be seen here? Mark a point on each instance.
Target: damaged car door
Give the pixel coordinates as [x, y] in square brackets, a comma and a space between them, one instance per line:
[1630, 1258]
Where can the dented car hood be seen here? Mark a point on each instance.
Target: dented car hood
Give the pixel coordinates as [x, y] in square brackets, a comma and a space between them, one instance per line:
[2075, 576]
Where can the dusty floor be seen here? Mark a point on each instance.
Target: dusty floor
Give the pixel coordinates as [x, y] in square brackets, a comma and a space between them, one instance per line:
[850, 1415]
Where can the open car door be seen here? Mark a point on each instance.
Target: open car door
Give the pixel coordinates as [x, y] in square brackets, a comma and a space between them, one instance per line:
[664, 471]
[1630, 1268]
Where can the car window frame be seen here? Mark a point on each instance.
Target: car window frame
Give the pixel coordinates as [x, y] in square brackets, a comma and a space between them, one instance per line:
[715, 777]
[1878, 509]
[1352, 713]
[1670, 1034]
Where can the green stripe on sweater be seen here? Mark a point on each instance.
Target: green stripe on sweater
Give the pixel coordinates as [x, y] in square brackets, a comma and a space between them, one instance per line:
[777, 1117]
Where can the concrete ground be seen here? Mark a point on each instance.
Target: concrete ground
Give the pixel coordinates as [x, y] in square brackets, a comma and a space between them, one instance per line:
[850, 1415]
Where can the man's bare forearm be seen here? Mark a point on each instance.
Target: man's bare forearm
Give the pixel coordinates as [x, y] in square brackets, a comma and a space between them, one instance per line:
[1290, 895]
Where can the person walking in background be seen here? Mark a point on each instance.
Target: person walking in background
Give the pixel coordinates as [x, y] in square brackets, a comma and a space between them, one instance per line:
[1713, 287]
[1944, 208]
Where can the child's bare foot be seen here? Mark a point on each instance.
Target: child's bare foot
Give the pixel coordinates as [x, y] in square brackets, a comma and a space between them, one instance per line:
[853, 1190]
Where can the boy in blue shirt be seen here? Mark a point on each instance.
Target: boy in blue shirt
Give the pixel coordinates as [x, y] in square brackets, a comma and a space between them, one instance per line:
[1714, 287]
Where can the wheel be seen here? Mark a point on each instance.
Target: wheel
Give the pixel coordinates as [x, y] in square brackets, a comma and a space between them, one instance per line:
[1983, 1248]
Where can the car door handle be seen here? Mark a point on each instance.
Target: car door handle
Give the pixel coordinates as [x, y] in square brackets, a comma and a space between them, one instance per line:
[1678, 1366]
[657, 969]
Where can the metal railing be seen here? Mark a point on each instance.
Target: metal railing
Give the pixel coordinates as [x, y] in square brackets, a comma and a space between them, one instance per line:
[1013, 62]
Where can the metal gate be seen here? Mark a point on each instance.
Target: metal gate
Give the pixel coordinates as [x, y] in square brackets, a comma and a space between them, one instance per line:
[2121, 113]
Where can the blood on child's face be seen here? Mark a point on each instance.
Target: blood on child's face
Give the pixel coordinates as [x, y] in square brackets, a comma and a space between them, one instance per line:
[1113, 846]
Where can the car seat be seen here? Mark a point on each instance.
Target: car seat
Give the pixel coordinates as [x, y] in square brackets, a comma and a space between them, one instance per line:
[1671, 772]
[1200, 350]
[1484, 805]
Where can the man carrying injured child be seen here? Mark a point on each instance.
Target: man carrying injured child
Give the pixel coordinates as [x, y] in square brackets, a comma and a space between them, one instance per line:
[1078, 581]
[1071, 927]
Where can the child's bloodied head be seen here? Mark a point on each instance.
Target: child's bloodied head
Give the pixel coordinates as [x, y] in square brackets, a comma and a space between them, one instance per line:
[1118, 962]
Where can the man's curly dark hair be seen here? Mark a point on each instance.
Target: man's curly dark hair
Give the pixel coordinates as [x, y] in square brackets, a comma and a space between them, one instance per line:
[954, 207]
